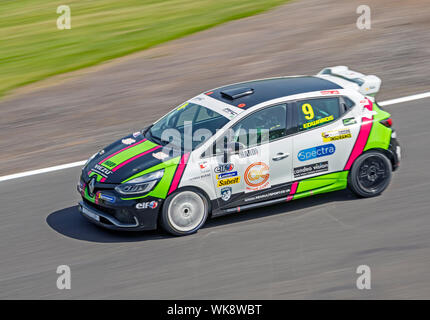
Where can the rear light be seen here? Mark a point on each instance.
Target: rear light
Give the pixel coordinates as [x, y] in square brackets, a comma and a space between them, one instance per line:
[387, 122]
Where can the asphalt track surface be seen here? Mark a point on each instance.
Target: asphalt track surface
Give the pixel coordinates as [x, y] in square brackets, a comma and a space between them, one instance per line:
[309, 248]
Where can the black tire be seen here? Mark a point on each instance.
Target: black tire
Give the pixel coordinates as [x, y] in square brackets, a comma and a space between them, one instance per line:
[184, 212]
[370, 174]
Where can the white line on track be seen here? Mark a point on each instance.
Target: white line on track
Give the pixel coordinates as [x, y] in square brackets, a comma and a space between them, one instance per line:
[45, 170]
[405, 99]
[81, 163]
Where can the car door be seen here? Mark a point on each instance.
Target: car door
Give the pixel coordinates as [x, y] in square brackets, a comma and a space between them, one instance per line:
[259, 166]
[323, 143]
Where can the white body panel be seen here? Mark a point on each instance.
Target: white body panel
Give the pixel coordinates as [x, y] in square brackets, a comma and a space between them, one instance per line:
[281, 171]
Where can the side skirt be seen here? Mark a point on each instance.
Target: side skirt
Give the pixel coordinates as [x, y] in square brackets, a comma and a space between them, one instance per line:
[338, 185]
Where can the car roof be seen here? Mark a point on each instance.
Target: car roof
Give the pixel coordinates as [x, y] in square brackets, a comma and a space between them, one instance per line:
[248, 94]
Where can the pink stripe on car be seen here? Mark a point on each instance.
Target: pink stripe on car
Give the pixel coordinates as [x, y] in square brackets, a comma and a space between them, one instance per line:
[178, 173]
[366, 126]
[128, 147]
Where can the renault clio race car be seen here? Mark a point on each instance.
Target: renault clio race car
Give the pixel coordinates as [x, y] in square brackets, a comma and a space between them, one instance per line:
[244, 146]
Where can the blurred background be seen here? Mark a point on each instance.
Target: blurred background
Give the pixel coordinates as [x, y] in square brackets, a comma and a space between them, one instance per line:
[66, 93]
[48, 89]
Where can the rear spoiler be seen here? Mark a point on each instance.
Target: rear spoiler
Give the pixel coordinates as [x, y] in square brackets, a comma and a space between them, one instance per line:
[368, 85]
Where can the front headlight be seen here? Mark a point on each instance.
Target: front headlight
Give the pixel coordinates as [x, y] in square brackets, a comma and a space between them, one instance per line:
[141, 184]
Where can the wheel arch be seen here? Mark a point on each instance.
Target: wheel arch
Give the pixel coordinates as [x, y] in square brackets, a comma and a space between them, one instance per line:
[386, 152]
[191, 188]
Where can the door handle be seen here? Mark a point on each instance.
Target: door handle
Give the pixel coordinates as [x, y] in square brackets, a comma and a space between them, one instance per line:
[280, 156]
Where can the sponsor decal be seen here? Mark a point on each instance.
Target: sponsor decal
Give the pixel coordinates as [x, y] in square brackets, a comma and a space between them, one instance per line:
[109, 164]
[81, 187]
[248, 153]
[160, 155]
[226, 175]
[316, 152]
[317, 122]
[336, 135]
[106, 197]
[330, 92]
[201, 177]
[311, 169]
[128, 141]
[102, 170]
[204, 166]
[226, 193]
[257, 176]
[268, 195]
[136, 134]
[227, 182]
[147, 205]
[224, 168]
[183, 106]
[349, 121]
[230, 112]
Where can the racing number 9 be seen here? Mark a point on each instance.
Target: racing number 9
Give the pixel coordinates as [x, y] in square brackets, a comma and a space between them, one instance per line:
[308, 111]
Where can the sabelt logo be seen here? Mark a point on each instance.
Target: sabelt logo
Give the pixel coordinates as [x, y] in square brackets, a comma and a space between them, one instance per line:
[257, 174]
[316, 152]
[227, 182]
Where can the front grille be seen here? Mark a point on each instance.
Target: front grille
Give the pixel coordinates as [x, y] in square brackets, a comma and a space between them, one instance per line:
[109, 211]
[122, 215]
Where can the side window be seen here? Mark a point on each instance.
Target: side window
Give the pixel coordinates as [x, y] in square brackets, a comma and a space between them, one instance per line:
[259, 127]
[205, 114]
[346, 104]
[188, 114]
[265, 125]
[313, 113]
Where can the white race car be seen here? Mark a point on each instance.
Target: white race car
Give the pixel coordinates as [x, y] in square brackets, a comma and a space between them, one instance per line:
[244, 146]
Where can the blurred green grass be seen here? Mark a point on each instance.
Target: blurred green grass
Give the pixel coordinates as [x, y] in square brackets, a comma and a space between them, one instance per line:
[32, 48]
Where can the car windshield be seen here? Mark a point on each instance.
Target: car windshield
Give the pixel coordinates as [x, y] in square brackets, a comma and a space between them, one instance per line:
[187, 126]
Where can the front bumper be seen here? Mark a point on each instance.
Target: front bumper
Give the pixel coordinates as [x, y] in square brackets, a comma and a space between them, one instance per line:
[108, 210]
[138, 222]
[100, 218]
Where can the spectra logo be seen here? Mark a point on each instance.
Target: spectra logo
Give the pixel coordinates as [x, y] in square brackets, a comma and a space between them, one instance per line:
[316, 152]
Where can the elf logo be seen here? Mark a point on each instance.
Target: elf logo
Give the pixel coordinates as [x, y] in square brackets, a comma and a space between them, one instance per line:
[224, 168]
[147, 205]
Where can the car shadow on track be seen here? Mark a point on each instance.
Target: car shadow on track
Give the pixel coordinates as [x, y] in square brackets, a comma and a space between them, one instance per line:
[70, 223]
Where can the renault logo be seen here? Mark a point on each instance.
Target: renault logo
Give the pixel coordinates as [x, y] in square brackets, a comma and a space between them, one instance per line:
[91, 186]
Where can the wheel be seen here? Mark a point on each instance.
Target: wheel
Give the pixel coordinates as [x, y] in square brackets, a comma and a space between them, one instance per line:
[184, 212]
[370, 174]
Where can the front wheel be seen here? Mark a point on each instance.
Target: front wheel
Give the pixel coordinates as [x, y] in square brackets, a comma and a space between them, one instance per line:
[370, 174]
[184, 212]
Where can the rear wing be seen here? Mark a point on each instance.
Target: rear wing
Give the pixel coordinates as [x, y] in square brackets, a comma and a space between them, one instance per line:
[368, 85]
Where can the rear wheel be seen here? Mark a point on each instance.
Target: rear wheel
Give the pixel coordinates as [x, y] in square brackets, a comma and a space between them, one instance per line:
[184, 212]
[370, 174]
